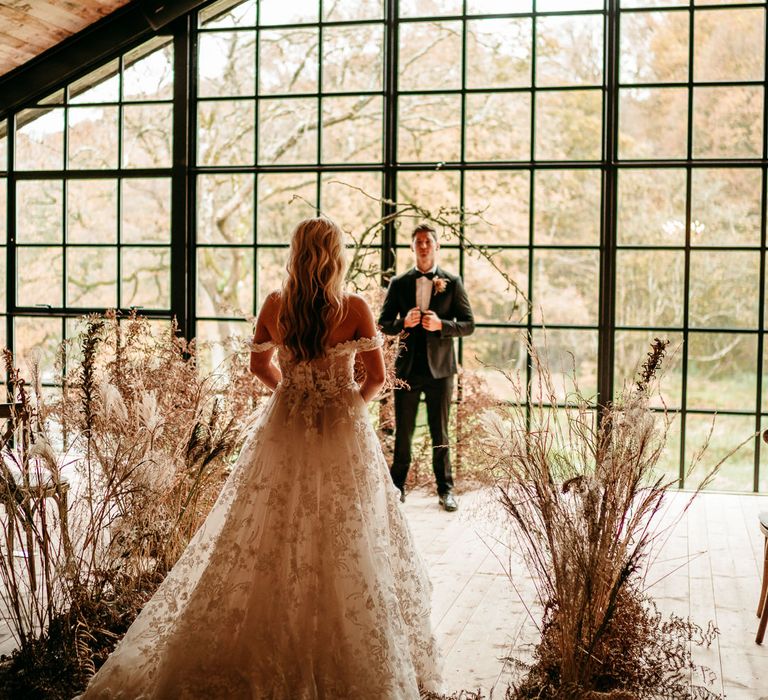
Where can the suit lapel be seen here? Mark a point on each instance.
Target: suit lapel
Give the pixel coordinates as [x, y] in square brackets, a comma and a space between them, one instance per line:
[433, 298]
[409, 289]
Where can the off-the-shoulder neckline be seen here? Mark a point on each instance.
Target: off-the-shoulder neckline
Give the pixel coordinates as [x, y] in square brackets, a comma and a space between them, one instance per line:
[338, 347]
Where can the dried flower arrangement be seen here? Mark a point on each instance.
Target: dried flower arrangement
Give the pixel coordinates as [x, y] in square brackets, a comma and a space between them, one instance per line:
[132, 457]
[584, 502]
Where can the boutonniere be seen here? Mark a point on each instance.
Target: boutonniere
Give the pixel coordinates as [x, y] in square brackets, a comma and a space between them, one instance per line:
[439, 284]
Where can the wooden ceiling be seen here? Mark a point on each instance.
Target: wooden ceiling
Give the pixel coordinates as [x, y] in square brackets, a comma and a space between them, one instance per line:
[30, 27]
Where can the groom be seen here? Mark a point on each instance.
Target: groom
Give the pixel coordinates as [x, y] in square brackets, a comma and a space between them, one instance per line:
[431, 306]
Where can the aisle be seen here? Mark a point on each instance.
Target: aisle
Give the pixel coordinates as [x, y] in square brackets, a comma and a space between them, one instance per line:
[708, 568]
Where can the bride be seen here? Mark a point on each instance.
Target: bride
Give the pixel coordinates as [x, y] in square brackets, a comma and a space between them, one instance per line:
[303, 582]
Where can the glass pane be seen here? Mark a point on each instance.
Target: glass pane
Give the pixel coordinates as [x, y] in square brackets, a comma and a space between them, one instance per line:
[651, 207]
[227, 64]
[654, 47]
[37, 340]
[101, 85]
[226, 133]
[92, 211]
[146, 210]
[147, 136]
[3, 306]
[271, 266]
[224, 281]
[435, 192]
[353, 58]
[493, 300]
[149, 76]
[653, 123]
[92, 137]
[649, 287]
[499, 53]
[284, 199]
[570, 356]
[654, 3]
[294, 12]
[3, 146]
[39, 211]
[226, 14]
[346, 10]
[145, 277]
[763, 485]
[288, 61]
[215, 343]
[501, 199]
[40, 139]
[668, 465]
[430, 56]
[3, 210]
[764, 396]
[568, 125]
[569, 50]
[727, 2]
[729, 45]
[429, 128]
[631, 350]
[352, 129]
[225, 208]
[728, 122]
[724, 289]
[490, 7]
[498, 126]
[489, 350]
[566, 5]
[288, 131]
[92, 277]
[40, 276]
[722, 371]
[429, 8]
[567, 207]
[352, 200]
[565, 287]
[737, 473]
[725, 206]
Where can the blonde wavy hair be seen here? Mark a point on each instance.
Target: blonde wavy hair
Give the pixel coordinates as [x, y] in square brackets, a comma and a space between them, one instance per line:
[312, 296]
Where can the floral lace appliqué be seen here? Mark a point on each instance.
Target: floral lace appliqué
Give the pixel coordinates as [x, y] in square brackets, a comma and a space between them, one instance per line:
[304, 581]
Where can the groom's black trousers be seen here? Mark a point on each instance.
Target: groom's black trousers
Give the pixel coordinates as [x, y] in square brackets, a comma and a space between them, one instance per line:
[437, 393]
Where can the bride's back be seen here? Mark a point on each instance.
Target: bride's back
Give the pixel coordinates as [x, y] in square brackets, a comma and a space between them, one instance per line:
[344, 330]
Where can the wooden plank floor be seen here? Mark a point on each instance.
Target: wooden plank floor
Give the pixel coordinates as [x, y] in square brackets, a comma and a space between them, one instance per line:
[707, 566]
[484, 603]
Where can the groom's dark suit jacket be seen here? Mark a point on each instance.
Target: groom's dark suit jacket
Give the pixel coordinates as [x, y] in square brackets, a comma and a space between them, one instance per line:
[451, 306]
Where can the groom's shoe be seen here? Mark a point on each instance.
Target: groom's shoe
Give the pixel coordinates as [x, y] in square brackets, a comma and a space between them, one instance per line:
[448, 502]
[402, 495]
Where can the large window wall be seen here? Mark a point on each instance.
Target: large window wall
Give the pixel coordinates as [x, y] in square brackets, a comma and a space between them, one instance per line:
[609, 156]
[290, 111]
[690, 229]
[90, 201]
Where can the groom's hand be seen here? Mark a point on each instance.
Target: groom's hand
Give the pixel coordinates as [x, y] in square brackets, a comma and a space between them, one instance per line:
[412, 318]
[431, 321]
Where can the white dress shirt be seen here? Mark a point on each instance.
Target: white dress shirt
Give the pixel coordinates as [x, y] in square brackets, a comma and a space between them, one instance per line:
[424, 289]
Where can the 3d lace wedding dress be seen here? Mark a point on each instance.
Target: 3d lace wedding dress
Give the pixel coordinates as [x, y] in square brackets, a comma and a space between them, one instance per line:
[304, 581]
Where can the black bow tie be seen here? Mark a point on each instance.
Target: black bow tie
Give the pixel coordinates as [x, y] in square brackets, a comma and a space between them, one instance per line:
[428, 275]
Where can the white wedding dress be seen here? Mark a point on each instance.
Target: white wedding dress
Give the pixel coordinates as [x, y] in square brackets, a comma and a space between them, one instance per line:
[304, 581]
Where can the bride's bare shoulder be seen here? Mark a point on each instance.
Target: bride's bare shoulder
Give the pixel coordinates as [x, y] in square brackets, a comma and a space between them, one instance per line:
[356, 304]
[271, 302]
[270, 309]
[360, 317]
